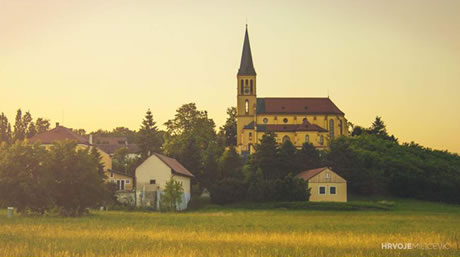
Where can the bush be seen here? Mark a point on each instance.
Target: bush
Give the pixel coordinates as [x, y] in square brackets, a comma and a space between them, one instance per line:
[287, 189]
[228, 190]
[171, 196]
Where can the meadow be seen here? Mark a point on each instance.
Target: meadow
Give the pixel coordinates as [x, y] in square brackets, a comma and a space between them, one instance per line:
[237, 231]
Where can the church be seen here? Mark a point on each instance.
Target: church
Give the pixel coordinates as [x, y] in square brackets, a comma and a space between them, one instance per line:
[315, 120]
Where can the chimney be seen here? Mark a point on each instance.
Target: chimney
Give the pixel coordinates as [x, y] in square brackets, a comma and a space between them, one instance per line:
[57, 124]
[90, 139]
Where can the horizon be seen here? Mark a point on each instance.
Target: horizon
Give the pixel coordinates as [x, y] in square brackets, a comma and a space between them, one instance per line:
[396, 60]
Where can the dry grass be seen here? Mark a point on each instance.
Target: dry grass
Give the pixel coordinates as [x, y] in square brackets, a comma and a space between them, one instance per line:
[223, 232]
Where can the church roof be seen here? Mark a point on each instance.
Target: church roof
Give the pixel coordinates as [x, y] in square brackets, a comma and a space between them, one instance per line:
[305, 126]
[58, 134]
[246, 65]
[310, 105]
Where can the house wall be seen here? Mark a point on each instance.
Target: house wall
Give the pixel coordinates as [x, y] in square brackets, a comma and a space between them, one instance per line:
[327, 178]
[154, 168]
[113, 177]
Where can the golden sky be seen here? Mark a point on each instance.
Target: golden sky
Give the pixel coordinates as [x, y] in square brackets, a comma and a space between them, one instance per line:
[100, 64]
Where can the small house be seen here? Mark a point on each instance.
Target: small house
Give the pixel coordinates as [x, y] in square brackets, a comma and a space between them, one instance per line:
[325, 185]
[151, 178]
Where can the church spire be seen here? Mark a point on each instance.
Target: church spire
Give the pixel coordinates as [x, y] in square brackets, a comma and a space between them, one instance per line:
[246, 66]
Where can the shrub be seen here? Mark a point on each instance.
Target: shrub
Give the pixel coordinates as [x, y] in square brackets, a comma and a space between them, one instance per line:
[228, 190]
[171, 196]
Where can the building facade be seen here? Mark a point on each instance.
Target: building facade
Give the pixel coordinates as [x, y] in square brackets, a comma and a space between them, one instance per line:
[315, 120]
[325, 185]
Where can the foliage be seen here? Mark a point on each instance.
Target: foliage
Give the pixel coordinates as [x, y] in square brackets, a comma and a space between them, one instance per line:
[374, 165]
[228, 130]
[23, 177]
[34, 180]
[5, 129]
[231, 164]
[149, 139]
[171, 196]
[228, 190]
[284, 189]
[77, 181]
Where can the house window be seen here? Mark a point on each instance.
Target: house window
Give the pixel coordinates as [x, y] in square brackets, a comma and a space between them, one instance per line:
[286, 138]
[322, 190]
[321, 140]
[307, 139]
[285, 120]
[265, 120]
[153, 182]
[127, 181]
[332, 190]
[120, 184]
[246, 106]
[331, 129]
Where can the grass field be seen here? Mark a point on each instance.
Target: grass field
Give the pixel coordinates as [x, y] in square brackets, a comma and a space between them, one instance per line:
[237, 231]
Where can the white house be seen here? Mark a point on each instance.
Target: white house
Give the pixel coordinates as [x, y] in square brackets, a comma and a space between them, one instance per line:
[151, 178]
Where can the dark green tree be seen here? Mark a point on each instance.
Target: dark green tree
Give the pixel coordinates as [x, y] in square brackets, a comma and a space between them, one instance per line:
[171, 196]
[308, 157]
[149, 141]
[228, 130]
[5, 129]
[266, 157]
[288, 158]
[19, 132]
[211, 172]
[231, 164]
[42, 125]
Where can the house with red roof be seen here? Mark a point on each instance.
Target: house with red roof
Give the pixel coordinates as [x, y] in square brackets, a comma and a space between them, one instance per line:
[314, 120]
[325, 185]
[152, 175]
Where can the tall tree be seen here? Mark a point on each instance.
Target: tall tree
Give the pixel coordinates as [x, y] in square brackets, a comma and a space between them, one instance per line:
[42, 125]
[149, 141]
[266, 157]
[308, 157]
[5, 129]
[228, 130]
[288, 159]
[211, 173]
[28, 125]
[19, 132]
[231, 164]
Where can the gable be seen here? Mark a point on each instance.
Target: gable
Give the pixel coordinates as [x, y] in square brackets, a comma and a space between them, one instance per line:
[327, 176]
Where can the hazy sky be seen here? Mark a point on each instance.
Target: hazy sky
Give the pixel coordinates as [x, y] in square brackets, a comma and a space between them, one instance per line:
[100, 64]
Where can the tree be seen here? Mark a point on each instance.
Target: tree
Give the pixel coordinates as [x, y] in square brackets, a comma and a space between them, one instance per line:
[77, 181]
[42, 125]
[228, 130]
[171, 196]
[23, 177]
[266, 157]
[211, 172]
[5, 129]
[231, 164]
[149, 141]
[308, 157]
[288, 159]
[19, 132]
[81, 132]
[190, 157]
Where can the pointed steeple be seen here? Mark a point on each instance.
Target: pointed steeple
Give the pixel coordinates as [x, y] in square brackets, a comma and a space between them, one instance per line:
[246, 65]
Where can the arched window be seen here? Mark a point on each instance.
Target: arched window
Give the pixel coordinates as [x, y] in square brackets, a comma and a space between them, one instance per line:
[340, 127]
[250, 135]
[246, 106]
[286, 138]
[252, 87]
[321, 140]
[285, 120]
[242, 86]
[331, 129]
[307, 139]
[265, 120]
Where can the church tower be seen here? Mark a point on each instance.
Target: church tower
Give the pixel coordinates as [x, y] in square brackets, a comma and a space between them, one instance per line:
[246, 92]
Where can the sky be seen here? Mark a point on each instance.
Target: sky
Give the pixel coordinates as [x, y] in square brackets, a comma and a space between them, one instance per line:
[101, 64]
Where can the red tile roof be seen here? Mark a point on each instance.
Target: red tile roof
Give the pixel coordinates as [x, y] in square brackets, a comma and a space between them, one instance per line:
[308, 174]
[175, 166]
[58, 134]
[312, 105]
